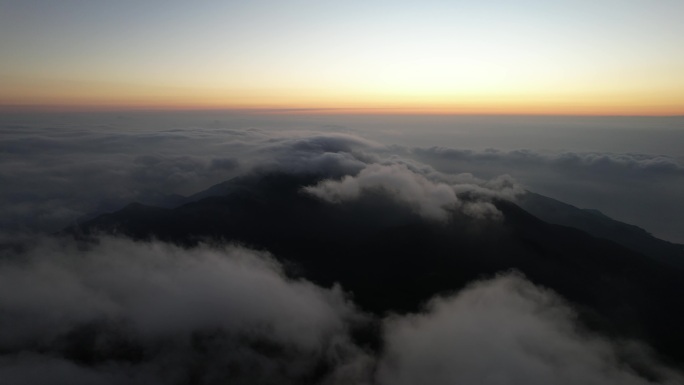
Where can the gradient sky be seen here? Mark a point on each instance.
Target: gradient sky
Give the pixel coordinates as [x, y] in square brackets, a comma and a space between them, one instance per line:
[490, 56]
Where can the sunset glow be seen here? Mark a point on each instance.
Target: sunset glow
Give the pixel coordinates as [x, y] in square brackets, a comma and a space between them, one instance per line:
[617, 58]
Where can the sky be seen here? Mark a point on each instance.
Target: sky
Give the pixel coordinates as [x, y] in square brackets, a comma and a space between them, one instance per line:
[486, 57]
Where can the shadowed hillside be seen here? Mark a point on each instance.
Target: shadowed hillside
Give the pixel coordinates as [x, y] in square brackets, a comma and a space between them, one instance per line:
[391, 259]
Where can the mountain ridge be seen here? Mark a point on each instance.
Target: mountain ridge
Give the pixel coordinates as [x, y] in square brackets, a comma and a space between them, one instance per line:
[393, 260]
[600, 225]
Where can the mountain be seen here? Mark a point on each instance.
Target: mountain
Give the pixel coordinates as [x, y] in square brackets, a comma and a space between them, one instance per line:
[599, 225]
[392, 260]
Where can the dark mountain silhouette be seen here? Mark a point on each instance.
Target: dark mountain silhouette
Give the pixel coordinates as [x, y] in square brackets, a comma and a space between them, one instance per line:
[392, 260]
[599, 225]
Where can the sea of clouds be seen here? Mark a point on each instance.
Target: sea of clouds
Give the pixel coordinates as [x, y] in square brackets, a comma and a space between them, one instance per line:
[56, 170]
[117, 311]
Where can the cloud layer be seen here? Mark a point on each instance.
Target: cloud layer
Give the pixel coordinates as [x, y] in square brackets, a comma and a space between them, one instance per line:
[124, 312]
[61, 175]
[431, 199]
[640, 189]
[56, 169]
[501, 331]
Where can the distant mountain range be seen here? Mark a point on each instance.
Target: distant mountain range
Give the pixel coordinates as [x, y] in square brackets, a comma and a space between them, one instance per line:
[623, 281]
[599, 225]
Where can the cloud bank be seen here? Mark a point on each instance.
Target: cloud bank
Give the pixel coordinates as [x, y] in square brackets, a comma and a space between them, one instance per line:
[502, 331]
[60, 176]
[57, 169]
[124, 312]
[640, 189]
[431, 199]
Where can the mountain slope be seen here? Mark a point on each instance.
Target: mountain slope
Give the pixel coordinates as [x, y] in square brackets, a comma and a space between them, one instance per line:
[392, 260]
[599, 225]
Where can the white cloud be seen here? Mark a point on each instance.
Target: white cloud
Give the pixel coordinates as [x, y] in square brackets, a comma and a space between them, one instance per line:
[157, 295]
[501, 331]
[205, 315]
[430, 198]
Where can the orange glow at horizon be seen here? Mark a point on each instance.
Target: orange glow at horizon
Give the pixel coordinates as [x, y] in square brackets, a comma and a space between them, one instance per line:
[82, 97]
[566, 58]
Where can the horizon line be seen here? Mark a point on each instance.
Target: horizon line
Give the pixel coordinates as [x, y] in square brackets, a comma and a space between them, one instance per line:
[416, 111]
